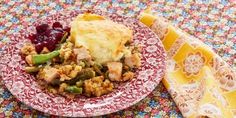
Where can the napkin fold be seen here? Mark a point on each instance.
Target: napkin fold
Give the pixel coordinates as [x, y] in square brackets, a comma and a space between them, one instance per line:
[199, 81]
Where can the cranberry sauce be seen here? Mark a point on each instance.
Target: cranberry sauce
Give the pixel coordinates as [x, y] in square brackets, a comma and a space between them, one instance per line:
[48, 37]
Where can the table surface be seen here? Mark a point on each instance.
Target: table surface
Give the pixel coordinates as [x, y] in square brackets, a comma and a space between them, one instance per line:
[212, 22]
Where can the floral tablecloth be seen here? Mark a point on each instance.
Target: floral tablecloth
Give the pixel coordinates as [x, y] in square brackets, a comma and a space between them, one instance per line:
[204, 19]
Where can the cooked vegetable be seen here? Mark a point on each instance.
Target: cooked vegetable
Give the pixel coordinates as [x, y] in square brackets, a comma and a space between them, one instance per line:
[42, 58]
[63, 39]
[32, 69]
[106, 76]
[69, 62]
[79, 83]
[97, 68]
[74, 89]
[82, 75]
[86, 74]
[86, 63]
[82, 64]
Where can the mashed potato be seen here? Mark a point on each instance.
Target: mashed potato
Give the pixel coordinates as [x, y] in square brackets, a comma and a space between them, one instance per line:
[104, 38]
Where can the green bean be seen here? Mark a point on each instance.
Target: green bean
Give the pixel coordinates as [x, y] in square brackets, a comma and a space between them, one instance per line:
[87, 63]
[79, 83]
[63, 39]
[74, 89]
[97, 68]
[106, 76]
[86, 74]
[43, 58]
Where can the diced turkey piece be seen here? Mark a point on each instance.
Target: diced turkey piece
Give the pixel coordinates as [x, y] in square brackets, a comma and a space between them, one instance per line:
[82, 53]
[115, 71]
[133, 60]
[49, 74]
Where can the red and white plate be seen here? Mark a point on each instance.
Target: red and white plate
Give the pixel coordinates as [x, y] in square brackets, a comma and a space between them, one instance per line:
[25, 87]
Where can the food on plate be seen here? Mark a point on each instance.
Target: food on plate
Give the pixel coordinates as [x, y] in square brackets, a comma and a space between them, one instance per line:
[101, 36]
[86, 58]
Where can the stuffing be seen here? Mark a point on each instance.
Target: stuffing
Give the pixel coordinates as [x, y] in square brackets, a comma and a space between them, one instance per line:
[68, 72]
[127, 76]
[66, 50]
[64, 77]
[62, 87]
[28, 59]
[65, 69]
[75, 71]
[28, 49]
[96, 86]
[52, 90]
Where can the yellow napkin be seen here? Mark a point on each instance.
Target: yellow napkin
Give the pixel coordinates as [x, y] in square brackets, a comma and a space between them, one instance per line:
[199, 81]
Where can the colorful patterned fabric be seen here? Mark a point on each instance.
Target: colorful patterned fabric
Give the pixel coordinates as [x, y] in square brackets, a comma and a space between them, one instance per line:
[199, 81]
[211, 22]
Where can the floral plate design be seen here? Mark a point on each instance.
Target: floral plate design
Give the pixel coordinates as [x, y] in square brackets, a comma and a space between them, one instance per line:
[24, 86]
